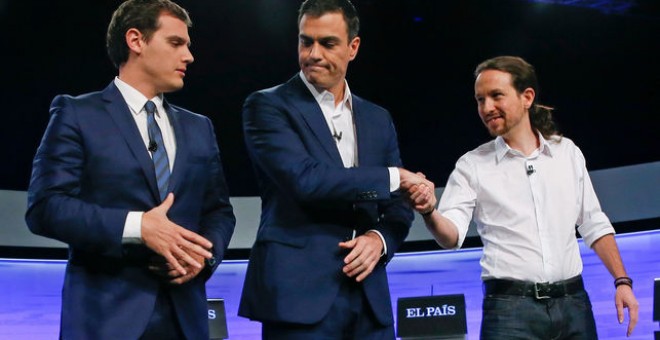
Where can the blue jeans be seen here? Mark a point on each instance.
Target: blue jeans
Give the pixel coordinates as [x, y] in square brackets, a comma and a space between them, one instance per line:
[522, 317]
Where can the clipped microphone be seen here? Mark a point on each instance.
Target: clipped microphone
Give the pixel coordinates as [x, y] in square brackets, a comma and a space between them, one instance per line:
[530, 169]
[153, 146]
[337, 136]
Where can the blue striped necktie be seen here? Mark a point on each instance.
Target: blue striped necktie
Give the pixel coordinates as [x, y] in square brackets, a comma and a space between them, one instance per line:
[158, 151]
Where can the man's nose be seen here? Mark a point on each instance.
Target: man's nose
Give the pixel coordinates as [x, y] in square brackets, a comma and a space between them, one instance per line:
[188, 57]
[487, 106]
[315, 51]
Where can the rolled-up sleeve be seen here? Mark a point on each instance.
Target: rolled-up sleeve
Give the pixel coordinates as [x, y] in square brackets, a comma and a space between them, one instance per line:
[459, 198]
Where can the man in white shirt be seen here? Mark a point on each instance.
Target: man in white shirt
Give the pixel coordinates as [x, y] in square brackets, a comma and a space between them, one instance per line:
[526, 190]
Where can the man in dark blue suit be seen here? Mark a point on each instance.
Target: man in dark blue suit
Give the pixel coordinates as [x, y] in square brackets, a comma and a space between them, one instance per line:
[135, 187]
[327, 162]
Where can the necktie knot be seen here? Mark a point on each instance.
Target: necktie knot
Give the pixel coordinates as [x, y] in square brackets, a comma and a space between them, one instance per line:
[150, 107]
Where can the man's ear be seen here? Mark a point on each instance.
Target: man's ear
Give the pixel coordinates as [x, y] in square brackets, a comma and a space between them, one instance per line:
[354, 45]
[134, 40]
[528, 97]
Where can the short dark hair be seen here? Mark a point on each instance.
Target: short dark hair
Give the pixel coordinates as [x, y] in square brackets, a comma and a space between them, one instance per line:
[142, 15]
[317, 8]
[523, 76]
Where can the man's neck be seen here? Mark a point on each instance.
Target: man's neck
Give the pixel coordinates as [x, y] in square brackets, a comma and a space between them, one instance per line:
[135, 79]
[525, 142]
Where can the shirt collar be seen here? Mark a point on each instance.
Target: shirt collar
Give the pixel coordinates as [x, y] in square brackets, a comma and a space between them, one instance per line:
[502, 148]
[321, 96]
[135, 99]
[545, 145]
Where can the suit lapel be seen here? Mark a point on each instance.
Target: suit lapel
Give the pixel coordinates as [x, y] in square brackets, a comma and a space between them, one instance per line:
[311, 112]
[117, 108]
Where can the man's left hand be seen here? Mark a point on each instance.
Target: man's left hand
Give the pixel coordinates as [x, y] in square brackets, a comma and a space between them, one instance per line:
[625, 298]
[365, 254]
[161, 268]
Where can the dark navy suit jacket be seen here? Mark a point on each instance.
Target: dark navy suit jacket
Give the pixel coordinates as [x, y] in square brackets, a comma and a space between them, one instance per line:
[310, 203]
[91, 169]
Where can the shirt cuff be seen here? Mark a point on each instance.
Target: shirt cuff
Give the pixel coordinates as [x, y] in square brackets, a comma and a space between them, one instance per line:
[132, 228]
[382, 239]
[395, 181]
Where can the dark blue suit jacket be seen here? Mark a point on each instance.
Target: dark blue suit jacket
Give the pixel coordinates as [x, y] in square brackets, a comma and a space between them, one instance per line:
[310, 203]
[91, 169]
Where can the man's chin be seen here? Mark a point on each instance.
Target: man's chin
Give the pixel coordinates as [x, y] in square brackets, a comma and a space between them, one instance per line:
[316, 81]
[173, 87]
[312, 77]
[496, 132]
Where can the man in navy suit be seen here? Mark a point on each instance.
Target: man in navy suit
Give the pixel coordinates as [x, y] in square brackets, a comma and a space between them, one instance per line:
[135, 187]
[327, 162]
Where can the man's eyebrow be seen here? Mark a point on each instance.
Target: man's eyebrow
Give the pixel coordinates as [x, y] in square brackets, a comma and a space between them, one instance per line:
[331, 38]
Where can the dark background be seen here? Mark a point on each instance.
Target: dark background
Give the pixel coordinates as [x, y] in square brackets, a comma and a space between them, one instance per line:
[599, 66]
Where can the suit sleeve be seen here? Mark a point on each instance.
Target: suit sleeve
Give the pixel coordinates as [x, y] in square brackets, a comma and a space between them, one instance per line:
[54, 207]
[278, 151]
[218, 220]
[396, 216]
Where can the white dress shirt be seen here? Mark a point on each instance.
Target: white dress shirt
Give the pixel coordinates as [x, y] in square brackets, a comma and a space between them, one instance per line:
[340, 121]
[526, 208]
[135, 101]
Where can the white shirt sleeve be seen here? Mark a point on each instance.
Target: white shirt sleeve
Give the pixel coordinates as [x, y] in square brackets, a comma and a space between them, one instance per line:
[459, 198]
[592, 221]
[132, 228]
[395, 179]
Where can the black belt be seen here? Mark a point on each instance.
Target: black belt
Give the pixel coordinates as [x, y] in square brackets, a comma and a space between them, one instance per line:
[543, 290]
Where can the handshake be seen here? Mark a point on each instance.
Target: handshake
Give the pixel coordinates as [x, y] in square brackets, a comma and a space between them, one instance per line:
[419, 191]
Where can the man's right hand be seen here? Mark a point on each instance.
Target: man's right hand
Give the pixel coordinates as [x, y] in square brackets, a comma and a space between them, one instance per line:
[419, 191]
[422, 198]
[170, 240]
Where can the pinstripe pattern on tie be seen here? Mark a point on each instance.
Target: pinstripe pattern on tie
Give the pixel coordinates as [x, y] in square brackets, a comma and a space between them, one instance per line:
[159, 155]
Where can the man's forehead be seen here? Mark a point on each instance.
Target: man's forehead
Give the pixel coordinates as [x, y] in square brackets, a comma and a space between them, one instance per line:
[330, 20]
